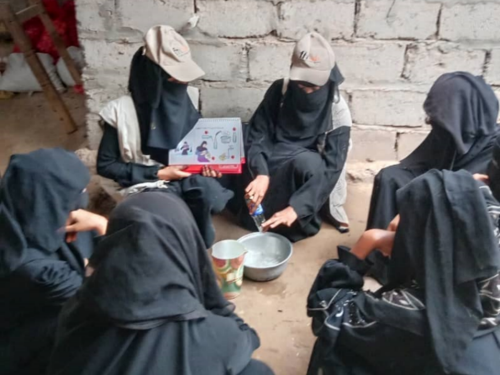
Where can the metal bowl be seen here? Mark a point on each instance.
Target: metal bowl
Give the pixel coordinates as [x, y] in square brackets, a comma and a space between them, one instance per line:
[267, 257]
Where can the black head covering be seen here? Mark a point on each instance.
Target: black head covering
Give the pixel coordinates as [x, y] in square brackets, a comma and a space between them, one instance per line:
[304, 116]
[164, 109]
[462, 110]
[494, 170]
[152, 267]
[464, 106]
[38, 192]
[445, 241]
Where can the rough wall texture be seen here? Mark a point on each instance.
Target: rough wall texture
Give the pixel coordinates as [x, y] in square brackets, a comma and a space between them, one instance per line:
[390, 52]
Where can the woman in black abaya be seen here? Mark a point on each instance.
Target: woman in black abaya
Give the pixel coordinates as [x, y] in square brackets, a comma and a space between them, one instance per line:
[141, 128]
[152, 305]
[296, 150]
[462, 111]
[45, 240]
[440, 312]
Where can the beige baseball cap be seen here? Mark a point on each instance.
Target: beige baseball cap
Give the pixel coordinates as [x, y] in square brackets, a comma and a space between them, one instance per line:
[312, 60]
[168, 49]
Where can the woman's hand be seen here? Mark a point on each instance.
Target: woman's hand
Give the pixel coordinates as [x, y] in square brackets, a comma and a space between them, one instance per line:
[173, 173]
[393, 225]
[372, 239]
[481, 177]
[257, 190]
[84, 221]
[287, 217]
[210, 172]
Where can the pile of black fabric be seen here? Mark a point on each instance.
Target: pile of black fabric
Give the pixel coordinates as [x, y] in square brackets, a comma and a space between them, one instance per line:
[446, 243]
[439, 313]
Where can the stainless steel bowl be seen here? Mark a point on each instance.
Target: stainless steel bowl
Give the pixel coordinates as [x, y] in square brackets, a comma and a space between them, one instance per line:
[267, 257]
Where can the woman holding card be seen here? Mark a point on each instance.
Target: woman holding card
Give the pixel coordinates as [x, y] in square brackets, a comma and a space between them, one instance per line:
[297, 144]
[141, 129]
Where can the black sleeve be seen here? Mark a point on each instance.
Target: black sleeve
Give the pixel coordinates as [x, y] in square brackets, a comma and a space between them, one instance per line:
[111, 165]
[260, 134]
[53, 281]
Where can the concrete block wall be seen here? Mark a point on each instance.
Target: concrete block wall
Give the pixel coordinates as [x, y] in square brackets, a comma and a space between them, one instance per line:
[390, 52]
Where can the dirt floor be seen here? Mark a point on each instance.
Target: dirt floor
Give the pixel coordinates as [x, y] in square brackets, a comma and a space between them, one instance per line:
[27, 123]
[275, 309]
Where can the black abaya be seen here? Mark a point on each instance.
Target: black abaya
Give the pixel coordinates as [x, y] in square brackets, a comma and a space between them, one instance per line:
[39, 271]
[204, 195]
[441, 312]
[165, 114]
[152, 305]
[290, 139]
[462, 110]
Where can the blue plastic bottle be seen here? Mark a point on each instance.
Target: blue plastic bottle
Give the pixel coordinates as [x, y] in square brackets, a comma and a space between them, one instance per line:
[258, 217]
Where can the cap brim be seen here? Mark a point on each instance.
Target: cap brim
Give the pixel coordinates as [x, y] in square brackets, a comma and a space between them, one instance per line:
[316, 77]
[185, 72]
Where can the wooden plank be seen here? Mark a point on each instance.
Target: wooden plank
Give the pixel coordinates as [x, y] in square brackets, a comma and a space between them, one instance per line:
[28, 13]
[21, 39]
[58, 42]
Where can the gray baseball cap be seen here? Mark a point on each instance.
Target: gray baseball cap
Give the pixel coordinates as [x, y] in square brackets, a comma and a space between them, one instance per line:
[312, 60]
[167, 48]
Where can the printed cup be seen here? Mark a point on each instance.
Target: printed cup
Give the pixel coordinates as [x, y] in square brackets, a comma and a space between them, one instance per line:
[227, 259]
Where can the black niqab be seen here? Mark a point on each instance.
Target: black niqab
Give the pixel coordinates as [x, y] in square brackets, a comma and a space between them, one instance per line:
[465, 106]
[152, 267]
[494, 170]
[445, 241]
[305, 116]
[38, 192]
[164, 109]
[463, 111]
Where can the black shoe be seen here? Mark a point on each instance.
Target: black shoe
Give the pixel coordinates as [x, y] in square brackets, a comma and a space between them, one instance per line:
[327, 216]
